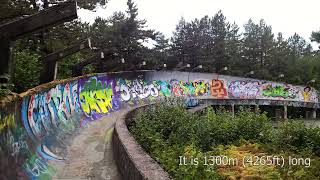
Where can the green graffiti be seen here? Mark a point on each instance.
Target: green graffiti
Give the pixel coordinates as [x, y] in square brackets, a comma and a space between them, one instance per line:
[187, 88]
[200, 87]
[17, 140]
[164, 87]
[276, 91]
[39, 169]
[96, 96]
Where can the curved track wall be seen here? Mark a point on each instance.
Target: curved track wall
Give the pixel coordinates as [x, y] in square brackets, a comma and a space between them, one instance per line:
[35, 129]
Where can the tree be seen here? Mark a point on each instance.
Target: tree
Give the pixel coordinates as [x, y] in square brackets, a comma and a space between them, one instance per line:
[180, 43]
[158, 55]
[219, 30]
[27, 70]
[57, 38]
[123, 35]
[12, 9]
[298, 46]
[40, 44]
[315, 37]
[202, 42]
[233, 48]
[280, 59]
[258, 42]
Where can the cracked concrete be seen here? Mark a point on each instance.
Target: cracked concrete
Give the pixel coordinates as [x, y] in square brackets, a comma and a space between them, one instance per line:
[90, 154]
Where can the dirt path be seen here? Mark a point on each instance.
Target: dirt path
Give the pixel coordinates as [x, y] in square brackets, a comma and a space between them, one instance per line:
[90, 154]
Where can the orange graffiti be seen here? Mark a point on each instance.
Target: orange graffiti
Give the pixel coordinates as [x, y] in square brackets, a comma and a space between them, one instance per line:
[218, 89]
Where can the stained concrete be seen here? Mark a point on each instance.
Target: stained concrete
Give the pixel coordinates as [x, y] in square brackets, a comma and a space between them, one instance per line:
[90, 154]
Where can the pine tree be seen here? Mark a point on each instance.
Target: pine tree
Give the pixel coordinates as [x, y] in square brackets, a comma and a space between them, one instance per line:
[219, 29]
[202, 42]
[298, 46]
[123, 34]
[315, 37]
[258, 42]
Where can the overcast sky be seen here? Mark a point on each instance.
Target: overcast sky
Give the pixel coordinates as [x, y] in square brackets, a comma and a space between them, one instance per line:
[286, 16]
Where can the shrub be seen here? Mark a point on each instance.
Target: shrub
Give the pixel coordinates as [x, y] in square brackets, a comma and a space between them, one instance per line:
[167, 131]
[295, 136]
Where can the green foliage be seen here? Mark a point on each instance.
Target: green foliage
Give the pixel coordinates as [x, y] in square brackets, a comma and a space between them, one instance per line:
[165, 137]
[204, 41]
[294, 136]
[215, 128]
[304, 70]
[64, 70]
[5, 88]
[27, 70]
[65, 35]
[213, 42]
[168, 131]
[11, 9]
[124, 34]
[315, 36]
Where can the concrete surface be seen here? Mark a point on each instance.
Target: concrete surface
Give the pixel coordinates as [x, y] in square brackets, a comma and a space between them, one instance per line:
[133, 162]
[90, 154]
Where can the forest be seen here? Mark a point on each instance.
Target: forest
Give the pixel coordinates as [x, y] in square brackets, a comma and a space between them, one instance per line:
[211, 41]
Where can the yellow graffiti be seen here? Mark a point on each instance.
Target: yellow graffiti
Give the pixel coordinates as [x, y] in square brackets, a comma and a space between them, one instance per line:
[98, 100]
[7, 122]
[306, 96]
[200, 87]
[307, 93]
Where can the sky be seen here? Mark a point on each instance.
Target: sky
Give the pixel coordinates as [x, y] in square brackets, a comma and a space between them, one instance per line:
[286, 16]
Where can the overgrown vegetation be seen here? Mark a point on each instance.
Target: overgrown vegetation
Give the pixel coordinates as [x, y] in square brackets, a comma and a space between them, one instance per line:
[167, 132]
[27, 71]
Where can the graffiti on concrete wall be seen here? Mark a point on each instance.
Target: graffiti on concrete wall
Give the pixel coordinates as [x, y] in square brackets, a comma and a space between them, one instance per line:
[201, 87]
[12, 136]
[59, 110]
[45, 111]
[138, 89]
[278, 91]
[309, 94]
[17, 140]
[244, 89]
[191, 88]
[6, 122]
[306, 93]
[177, 88]
[14, 149]
[97, 96]
[218, 89]
[191, 102]
[37, 168]
[248, 89]
[164, 88]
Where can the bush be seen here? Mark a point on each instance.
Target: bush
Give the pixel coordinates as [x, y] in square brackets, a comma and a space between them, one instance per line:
[294, 136]
[221, 128]
[167, 131]
[27, 70]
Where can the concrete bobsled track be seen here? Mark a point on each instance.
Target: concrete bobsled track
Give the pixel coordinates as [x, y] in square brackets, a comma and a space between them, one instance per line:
[62, 130]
